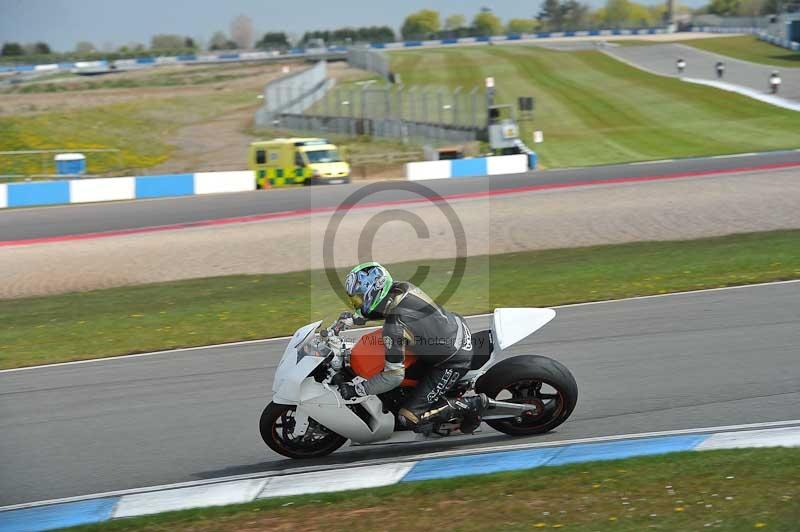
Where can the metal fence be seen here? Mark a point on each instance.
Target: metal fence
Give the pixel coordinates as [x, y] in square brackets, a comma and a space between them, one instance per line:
[293, 93]
[433, 105]
[403, 130]
[307, 101]
[370, 60]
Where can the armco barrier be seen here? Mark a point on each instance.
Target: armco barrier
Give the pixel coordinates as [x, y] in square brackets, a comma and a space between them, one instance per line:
[473, 167]
[123, 188]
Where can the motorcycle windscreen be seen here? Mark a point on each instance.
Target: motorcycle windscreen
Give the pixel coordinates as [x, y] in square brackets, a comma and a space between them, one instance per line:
[367, 357]
[293, 368]
[514, 324]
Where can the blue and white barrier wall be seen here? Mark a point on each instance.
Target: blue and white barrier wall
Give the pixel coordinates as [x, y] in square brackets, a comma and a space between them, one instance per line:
[472, 167]
[123, 188]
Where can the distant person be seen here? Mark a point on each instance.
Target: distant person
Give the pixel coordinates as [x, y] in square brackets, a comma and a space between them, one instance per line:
[681, 64]
[720, 67]
[774, 82]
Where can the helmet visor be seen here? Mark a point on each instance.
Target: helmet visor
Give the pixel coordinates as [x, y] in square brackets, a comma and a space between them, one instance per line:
[356, 300]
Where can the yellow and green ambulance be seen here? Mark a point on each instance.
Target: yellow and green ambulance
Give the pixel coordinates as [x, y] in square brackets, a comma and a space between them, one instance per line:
[297, 161]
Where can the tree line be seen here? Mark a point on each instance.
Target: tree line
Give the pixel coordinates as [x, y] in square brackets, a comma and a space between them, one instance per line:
[741, 8]
[553, 15]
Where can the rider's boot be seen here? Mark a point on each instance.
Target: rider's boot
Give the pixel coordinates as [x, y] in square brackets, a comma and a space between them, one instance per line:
[468, 409]
[471, 419]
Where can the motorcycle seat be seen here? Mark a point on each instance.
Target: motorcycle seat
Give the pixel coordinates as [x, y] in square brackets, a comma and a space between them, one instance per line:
[482, 348]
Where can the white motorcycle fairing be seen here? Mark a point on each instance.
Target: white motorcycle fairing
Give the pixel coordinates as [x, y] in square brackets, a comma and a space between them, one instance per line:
[514, 324]
[293, 386]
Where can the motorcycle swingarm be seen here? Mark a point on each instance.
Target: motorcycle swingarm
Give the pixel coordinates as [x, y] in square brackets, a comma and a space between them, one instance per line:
[502, 409]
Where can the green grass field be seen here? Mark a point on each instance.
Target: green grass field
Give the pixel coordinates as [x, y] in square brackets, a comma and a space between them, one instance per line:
[204, 311]
[596, 110]
[748, 48]
[731, 491]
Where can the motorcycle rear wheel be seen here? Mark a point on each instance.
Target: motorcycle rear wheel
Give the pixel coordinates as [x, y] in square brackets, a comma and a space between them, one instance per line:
[523, 378]
[276, 426]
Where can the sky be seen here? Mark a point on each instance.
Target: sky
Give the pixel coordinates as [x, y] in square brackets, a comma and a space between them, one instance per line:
[62, 23]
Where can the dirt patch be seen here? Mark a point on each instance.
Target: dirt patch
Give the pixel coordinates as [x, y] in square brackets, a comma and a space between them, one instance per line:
[222, 143]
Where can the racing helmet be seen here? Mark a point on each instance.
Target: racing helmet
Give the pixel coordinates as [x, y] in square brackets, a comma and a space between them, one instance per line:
[367, 285]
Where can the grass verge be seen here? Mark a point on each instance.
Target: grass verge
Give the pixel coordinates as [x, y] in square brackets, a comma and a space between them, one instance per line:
[722, 490]
[748, 48]
[596, 110]
[141, 129]
[213, 310]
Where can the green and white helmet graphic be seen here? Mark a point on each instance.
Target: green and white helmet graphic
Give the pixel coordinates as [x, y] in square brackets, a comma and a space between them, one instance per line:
[367, 285]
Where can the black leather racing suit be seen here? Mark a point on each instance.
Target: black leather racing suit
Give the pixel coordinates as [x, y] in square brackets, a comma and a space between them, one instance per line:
[440, 340]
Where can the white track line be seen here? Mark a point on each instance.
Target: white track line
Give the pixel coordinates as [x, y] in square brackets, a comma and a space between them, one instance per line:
[280, 338]
[413, 458]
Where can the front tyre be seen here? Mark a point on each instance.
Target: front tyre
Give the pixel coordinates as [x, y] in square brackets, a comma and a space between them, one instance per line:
[277, 425]
[535, 380]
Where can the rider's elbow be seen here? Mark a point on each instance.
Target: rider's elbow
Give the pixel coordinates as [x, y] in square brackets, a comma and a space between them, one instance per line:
[394, 376]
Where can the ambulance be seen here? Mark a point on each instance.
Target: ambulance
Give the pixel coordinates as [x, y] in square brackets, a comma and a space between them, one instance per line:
[297, 161]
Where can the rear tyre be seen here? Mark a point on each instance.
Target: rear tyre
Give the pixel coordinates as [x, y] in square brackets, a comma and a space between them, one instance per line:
[277, 424]
[535, 380]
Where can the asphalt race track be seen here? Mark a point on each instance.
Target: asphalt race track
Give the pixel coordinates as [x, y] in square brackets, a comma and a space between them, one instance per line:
[721, 357]
[43, 222]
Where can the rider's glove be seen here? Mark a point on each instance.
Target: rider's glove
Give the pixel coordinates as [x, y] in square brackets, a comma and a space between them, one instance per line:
[352, 390]
[349, 319]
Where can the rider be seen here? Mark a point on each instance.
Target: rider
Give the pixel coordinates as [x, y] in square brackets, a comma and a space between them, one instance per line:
[442, 344]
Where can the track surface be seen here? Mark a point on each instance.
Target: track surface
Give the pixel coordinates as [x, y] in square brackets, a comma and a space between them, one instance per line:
[700, 64]
[80, 219]
[681, 361]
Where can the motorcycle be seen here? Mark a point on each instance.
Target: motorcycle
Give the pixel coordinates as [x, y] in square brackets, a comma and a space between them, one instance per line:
[308, 418]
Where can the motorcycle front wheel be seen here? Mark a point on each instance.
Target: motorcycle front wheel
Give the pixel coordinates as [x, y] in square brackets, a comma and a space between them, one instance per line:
[277, 425]
[539, 381]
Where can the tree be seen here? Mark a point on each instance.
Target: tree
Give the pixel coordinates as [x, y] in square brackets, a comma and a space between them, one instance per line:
[166, 41]
[617, 12]
[11, 49]
[724, 7]
[551, 14]
[641, 16]
[189, 43]
[220, 41]
[84, 47]
[574, 15]
[273, 40]
[522, 25]
[242, 31]
[423, 23]
[771, 7]
[41, 48]
[624, 13]
[454, 22]
[487, 23]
